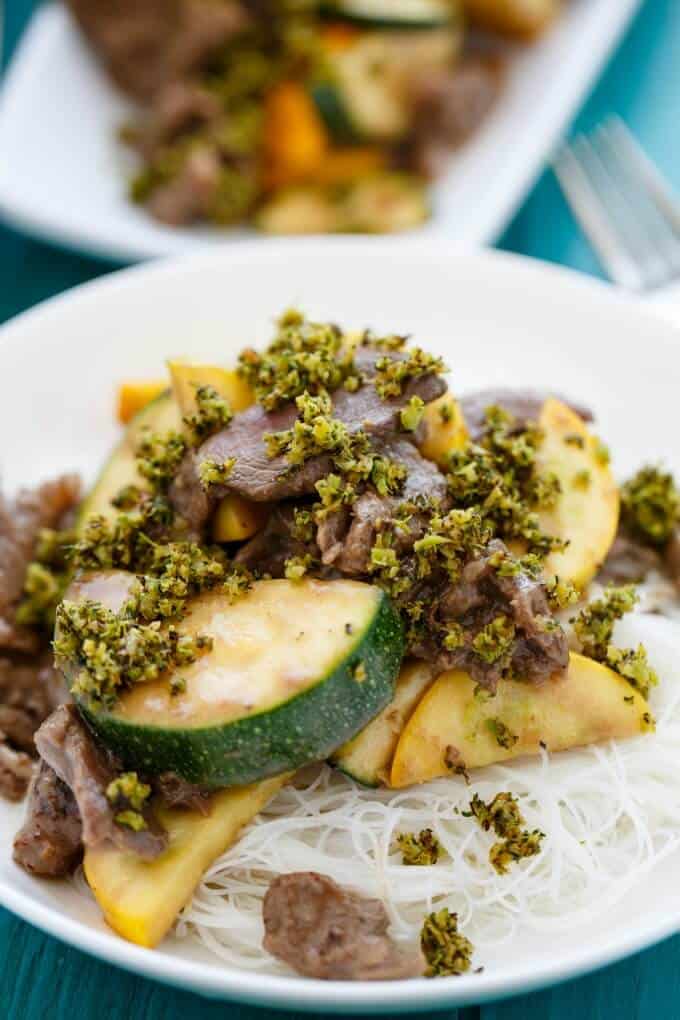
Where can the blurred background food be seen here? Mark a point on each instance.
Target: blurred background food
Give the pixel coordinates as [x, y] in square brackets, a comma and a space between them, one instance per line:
[302, 116]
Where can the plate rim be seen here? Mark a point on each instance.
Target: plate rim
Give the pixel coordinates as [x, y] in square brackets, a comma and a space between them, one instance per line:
[295, 993]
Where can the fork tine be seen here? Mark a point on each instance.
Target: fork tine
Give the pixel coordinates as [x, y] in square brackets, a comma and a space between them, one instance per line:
[589, 211]
[633, 187]
[626, 217]
[657, 185]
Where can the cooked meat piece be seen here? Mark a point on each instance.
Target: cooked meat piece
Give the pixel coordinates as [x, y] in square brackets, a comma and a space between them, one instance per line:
[351, 554]
[15, 771]
[672, 557]
[629, 561]
[50, 841]
[268, 550]
[179, 107]
[179, 793]
[66, 744]
[20, 523]
[324, 931]
[257, 477]
[448, 106]
[30, 686]
[144, 45]
[535, 653]
[523, 405]
[189, 195]
[189, 498]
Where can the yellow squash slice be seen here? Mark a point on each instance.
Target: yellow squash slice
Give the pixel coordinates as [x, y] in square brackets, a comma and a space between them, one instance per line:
[141, 899]
[368, 756]
[454, 726]
[445, 430]
[587, 510]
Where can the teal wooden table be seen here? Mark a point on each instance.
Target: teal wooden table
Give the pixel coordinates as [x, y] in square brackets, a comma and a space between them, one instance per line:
[41, 979]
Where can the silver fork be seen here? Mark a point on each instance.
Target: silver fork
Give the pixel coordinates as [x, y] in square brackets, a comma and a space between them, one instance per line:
[627, 210]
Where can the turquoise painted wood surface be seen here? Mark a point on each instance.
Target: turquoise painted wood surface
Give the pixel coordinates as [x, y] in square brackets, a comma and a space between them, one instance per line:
[40, 978]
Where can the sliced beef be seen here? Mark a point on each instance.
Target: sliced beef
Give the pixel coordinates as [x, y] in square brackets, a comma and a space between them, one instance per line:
[672, 557]
[257, 477]
[523, 405]
[179, 107]
[350, 552]
[144, 45]
[20, 523]
[189, 498]
[449, 105]
[629, 561]
[539, 649]
[50, 841]
[324, 931]
[66, 744]
[15, 770]
[192, 192]
[268, 550]
[179, 793]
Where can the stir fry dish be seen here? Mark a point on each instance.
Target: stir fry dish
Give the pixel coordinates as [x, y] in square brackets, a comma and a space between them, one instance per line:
[302, 116]
[316, 573]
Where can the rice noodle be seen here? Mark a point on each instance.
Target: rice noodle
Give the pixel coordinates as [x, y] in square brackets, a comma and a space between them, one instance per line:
[609, 812]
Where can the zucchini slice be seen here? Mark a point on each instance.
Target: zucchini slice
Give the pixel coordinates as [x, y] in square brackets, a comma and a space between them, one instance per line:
[454, 726]
[161, 415]
[373, 76]
[368, 756]
[413, 14]
[141, 899]
[296, 670]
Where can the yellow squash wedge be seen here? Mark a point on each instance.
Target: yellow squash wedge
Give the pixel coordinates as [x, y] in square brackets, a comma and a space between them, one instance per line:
[237, 519]
[367, 757]
[135, 394]
[445, 430]
[454, 726]
[587, 510]
[141, 900]
[187, 375]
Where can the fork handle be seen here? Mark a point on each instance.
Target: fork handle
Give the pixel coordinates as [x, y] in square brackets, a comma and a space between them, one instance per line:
[665, 301]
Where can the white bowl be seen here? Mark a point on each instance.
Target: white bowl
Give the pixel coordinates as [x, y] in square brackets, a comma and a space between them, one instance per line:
[497, 319]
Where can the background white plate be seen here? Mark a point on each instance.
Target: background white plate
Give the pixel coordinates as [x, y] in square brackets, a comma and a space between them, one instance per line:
[63, 175]
[497, 319]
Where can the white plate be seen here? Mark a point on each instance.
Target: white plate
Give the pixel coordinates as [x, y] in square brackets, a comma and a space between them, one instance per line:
[497, 319]
[63, 175]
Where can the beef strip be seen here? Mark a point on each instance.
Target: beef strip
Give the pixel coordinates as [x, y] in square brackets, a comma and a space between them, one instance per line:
[523, 405]
[349, 552]
[324, 931]
[478, 597]
[15, 770]
[180, 793]
[50, 841]
[179, 107]
[268, 550]
[629, 561]
[143, 46]
[448, 106]
[66, 744]
[190, 195]
[672, 557]
[257, 477]
[188, 497]
[21, 521]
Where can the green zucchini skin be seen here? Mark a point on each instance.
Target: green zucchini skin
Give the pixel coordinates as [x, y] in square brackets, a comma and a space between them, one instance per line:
[121, 467]
[366, 14]
[305, 729]
[331, 107]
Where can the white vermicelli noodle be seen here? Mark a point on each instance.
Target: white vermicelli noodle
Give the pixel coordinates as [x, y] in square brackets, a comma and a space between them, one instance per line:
[609, 814]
